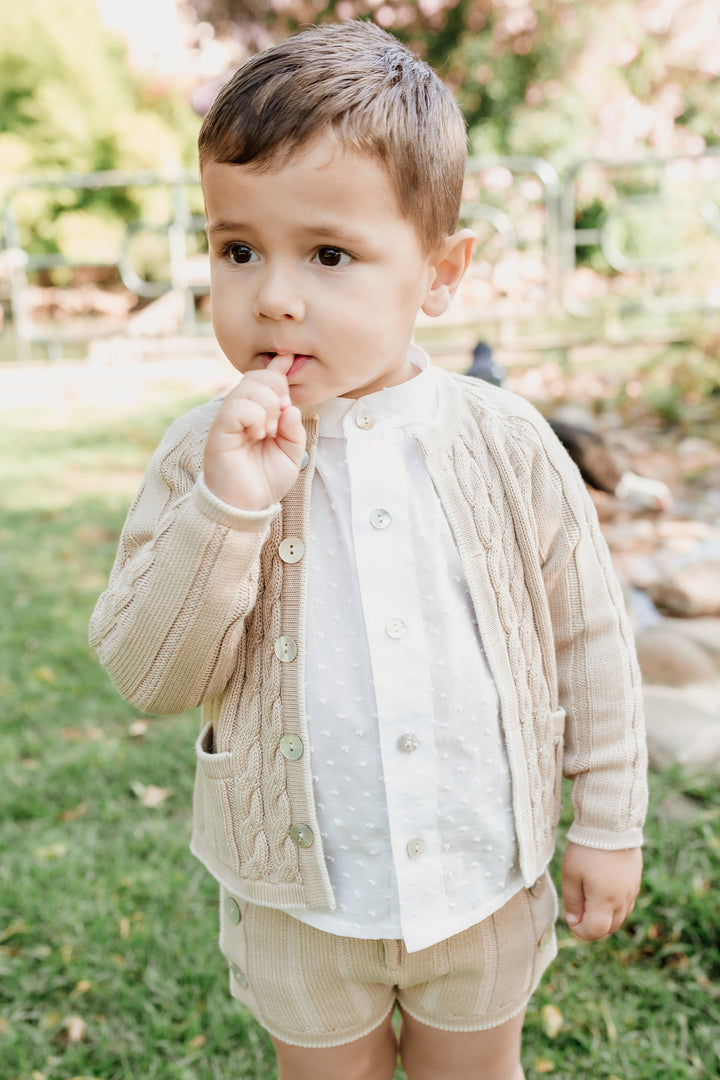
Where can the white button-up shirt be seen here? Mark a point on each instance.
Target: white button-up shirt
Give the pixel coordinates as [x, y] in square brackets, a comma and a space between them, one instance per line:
[409, 766]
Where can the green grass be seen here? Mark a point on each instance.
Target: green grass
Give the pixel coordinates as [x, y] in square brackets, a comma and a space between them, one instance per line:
[109, 967]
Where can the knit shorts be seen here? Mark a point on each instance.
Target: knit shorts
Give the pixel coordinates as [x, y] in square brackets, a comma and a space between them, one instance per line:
[314, 989]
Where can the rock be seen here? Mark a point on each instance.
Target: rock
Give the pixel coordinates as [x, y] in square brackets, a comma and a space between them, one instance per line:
[689, 590]
[703, 631]
[683, 731]
[669, 658]
[696, 455]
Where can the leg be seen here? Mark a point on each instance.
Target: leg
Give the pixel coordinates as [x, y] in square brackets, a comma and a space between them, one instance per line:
[371, 1058]
[429, 1053]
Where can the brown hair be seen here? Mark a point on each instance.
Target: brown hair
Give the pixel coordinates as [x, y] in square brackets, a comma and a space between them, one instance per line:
[361, 84]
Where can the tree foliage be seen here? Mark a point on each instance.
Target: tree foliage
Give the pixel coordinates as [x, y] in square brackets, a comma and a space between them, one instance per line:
[69, 101]
[562, 79]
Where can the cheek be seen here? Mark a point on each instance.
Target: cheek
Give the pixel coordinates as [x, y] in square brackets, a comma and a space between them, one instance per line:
[227, 306]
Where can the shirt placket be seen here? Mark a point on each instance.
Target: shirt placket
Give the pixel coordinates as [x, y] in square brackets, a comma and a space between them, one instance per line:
[386, 564]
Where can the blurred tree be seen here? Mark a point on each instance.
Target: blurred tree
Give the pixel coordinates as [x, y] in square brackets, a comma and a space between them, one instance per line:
[70, 101]
[559, 78]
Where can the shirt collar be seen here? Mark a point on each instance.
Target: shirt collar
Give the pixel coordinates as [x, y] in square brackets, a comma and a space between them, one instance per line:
[409, 403]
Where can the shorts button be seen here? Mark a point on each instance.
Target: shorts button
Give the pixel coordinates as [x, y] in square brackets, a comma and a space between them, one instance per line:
[232, 910]
[546, 938]
[538, 887]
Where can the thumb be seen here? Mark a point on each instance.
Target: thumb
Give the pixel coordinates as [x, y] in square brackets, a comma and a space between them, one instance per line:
[573, 900]
[291, 435]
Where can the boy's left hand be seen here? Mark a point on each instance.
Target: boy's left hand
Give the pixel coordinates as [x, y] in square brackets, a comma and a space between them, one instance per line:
[599, 888]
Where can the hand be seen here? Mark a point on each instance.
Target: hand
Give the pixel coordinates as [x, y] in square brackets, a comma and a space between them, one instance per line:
[256, 443]
[599, 888]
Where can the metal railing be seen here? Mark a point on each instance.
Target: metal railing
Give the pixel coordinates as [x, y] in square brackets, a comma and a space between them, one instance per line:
[605, 248]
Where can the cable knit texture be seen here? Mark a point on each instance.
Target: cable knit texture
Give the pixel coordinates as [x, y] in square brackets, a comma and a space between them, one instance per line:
[199, 597]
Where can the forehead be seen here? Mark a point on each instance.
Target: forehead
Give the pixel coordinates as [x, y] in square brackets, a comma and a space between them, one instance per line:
[323, 175]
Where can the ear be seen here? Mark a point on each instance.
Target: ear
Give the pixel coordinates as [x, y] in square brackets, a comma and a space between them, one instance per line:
[449, 263]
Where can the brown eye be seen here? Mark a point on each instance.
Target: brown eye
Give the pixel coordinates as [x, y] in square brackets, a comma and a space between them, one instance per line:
[332, 256]
[240, 254]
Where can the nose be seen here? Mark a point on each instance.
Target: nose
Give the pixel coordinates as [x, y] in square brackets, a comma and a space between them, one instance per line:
[279, 295]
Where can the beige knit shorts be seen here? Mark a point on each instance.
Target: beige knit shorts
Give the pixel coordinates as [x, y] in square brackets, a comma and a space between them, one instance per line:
[314, 989]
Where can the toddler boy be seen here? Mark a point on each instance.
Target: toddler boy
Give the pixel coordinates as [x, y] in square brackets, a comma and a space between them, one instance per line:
[386, 587]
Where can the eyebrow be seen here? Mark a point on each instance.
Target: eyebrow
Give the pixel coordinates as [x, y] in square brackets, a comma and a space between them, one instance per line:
[226, 227]
[319, 229]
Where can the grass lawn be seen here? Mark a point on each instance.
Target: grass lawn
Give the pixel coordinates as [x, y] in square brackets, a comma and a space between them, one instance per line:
[109, 967]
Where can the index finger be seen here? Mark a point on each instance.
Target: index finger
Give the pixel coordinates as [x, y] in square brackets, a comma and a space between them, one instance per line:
[273, 377]
[281, 362]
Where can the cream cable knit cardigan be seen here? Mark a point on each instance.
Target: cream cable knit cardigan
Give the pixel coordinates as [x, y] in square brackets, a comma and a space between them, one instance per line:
[202, 609]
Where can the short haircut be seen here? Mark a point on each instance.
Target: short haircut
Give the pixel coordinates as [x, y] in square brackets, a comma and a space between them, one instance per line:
[359, 83]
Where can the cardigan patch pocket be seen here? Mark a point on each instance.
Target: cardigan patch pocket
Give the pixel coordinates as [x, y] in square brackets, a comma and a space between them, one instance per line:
[216, 810]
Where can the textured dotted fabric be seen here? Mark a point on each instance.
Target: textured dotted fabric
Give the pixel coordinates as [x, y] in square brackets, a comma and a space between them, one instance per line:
[410, 772]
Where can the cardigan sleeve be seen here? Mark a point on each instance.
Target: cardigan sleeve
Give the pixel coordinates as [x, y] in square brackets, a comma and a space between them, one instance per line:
[186, 574]
[598, 678]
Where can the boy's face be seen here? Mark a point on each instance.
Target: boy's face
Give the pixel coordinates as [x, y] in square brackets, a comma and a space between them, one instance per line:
[313, 257]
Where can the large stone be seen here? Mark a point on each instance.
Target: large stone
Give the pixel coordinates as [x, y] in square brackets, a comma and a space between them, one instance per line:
[703, 631]
[689, 590]
[684, 728]
[669, 658]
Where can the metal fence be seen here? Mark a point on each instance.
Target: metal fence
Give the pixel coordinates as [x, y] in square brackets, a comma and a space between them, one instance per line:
[624, 250]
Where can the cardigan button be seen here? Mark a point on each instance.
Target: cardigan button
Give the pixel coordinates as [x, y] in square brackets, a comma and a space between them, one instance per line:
[365, 421]
[305, 460]
[302, 836]
[285, 649]
[415, 847]
[239, 976]
[291, 747]
[232, 910]
[291, 549]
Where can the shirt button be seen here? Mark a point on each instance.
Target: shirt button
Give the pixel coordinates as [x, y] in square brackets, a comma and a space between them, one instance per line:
[232, 910]
[285, 649]
[291, 549]
[305, 460]
[395, 628]
[415, 847]
[380, 519]
[301, 836]
[291, 747]
[407, 743]
[365, 421]
[239, 976]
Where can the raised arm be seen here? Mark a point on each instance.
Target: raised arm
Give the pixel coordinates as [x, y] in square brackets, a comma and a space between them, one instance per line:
[186, 574]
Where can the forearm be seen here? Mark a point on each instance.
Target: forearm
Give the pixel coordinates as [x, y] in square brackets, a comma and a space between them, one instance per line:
[598, 681]
[167, 627]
